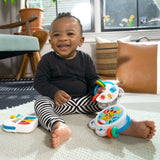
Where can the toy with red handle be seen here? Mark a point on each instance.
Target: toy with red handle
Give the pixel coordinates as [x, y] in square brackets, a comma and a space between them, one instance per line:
[110, 96]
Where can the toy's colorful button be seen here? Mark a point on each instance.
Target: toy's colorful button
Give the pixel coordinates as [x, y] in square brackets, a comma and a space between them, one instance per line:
[23, 123]
[18, 115]
[12, 116]
[109, 132]
[28, 117]
[28, 120]
[9, 127]
[102, 96]
[113, 89]
[113, 132]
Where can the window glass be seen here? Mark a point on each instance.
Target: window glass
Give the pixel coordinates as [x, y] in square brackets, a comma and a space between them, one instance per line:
[149, 13]
[130, 14]
[119, 14]
[81, 9]
[35, 3]
[49, 14]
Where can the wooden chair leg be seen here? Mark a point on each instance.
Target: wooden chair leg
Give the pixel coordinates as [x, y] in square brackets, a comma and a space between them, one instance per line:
[34, 59]
[37, 57]
[25, 66]
[32, 63]
[24, 58]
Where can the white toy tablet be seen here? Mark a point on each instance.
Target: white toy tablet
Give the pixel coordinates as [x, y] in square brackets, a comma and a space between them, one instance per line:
[20, 123]
[110, 96]
[111, 121]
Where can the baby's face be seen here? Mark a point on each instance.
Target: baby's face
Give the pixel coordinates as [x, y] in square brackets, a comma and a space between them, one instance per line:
[66, 37]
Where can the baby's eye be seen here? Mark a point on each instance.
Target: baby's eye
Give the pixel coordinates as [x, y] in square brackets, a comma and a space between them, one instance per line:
[55, 35]
[70, 34]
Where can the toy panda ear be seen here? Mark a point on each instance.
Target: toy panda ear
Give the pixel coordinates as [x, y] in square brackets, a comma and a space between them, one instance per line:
[94, 97]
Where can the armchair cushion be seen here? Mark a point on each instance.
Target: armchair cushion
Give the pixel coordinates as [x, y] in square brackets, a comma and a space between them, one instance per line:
[13, 45]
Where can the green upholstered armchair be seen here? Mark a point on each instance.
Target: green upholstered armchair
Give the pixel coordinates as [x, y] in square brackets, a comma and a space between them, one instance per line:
[26, 45]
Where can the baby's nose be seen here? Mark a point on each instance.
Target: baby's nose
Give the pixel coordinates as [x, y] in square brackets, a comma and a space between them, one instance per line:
[63, 37]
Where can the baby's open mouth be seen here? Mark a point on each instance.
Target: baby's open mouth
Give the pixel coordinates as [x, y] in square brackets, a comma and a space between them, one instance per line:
[63, 47]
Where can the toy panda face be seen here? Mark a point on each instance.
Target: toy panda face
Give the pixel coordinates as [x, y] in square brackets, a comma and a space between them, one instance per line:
[109, 95]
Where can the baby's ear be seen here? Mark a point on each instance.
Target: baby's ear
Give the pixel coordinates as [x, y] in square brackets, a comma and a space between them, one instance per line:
[81, 41]
[50, 41]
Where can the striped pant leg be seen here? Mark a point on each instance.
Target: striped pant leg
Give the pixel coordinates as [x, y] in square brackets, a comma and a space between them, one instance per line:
[86, 105]
[48, 113]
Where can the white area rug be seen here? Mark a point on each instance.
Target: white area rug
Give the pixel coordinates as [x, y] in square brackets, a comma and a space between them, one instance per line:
[84, 143]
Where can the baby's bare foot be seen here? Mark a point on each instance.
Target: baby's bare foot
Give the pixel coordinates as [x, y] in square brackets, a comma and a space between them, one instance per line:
[141, 129]
[60, 133]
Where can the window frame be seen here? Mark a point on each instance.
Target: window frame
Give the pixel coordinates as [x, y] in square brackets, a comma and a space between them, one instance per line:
[127, 28]
[153, 35]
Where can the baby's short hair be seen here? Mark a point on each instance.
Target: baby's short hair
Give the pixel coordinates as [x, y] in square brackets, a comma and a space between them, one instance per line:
[67, 14]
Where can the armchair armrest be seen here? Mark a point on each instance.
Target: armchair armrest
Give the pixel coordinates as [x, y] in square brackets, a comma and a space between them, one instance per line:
[21, 23]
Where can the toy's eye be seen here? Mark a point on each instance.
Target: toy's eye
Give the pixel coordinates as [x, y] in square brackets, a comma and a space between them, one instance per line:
[110, 116]
[107, 115]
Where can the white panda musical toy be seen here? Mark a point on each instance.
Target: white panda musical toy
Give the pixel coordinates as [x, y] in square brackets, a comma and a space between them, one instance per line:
[113, 119]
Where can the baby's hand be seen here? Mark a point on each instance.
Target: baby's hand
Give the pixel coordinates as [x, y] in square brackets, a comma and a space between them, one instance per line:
[61, 97]
[101, 89]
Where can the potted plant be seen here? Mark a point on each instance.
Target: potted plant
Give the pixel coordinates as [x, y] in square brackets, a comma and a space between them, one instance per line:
[29, 12]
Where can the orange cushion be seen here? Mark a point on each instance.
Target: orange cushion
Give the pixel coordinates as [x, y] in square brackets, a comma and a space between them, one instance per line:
[137, 67]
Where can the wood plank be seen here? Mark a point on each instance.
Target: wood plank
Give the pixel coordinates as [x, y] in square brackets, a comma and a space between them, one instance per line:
[106, 61]
[106, 51]
[107, 45]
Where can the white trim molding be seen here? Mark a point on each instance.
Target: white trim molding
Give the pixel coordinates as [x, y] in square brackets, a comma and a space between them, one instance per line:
[158, 69]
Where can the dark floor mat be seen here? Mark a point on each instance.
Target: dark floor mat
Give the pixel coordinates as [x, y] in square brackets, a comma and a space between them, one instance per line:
[14, 93]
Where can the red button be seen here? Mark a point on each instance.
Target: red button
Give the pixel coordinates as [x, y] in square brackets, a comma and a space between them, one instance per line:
[23, 123]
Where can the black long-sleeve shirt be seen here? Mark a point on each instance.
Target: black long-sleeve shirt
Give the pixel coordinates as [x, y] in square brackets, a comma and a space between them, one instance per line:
[75, 76]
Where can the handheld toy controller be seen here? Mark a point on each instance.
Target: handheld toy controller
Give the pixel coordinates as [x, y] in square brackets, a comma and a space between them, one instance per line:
[111, 95]
[111, 121]
[20, 123]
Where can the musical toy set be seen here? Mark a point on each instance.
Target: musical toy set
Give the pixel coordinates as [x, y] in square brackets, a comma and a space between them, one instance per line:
[113, 119]
[20, 123]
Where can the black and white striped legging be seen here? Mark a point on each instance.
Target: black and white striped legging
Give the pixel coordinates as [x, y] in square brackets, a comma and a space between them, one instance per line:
[48, 113]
